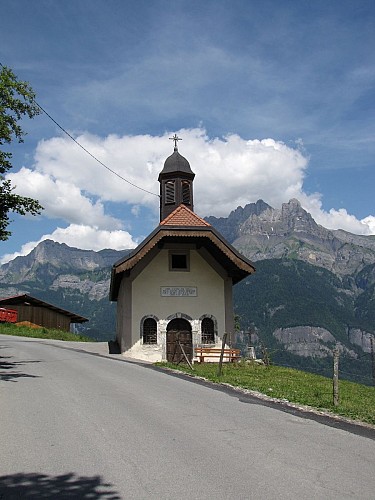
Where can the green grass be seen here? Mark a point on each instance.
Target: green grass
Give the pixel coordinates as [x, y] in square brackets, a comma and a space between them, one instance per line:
[41, 333]
[357, 401]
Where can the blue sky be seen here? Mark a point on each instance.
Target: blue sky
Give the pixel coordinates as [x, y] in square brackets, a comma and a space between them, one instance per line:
[273, 100]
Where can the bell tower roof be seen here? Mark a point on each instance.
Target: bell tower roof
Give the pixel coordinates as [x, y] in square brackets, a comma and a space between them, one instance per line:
[176, 182]
[176, 163]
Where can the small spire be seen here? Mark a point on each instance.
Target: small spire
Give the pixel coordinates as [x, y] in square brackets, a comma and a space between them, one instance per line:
[175, 139]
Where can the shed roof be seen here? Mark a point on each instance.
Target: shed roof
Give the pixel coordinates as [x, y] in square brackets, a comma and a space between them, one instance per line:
[28, 299]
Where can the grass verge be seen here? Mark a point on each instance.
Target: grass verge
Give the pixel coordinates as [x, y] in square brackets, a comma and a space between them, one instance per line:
[357, 401]
[41, 333]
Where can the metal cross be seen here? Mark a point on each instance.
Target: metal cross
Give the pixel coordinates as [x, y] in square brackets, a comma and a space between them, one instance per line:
[175, 139]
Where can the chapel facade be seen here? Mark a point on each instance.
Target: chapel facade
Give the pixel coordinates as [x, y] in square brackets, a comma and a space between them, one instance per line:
[175, 288]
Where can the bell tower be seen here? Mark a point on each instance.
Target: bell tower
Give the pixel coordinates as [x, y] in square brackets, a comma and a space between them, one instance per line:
[176, 182]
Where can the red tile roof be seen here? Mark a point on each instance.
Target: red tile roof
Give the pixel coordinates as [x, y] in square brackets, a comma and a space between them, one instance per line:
[183, 216]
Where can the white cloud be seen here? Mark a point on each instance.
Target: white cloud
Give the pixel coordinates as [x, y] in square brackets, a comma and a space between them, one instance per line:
[62, 199]
[340, 219]
[233, 172]
[230, 172]
[88, 237]
[80, 236]
[336, 219]
[370, 223]
[132, 157]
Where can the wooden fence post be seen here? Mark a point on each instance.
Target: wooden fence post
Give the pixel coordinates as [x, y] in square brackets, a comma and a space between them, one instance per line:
[372, 359]
[220, 367]
[336, 354]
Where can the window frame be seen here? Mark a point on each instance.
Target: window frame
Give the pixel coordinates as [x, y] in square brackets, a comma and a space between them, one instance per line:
[175, 269]
[148, 335]
[212, 334]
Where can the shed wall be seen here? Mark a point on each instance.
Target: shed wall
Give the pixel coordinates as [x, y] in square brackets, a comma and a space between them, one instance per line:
[42, 316]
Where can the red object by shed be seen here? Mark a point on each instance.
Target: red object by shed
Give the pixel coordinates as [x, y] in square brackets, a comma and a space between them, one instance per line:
[8, 315]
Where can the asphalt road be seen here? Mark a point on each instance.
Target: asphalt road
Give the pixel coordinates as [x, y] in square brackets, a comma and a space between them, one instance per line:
[81, 426]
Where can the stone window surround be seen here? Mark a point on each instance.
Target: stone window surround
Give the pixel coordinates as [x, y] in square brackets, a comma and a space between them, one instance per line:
[150, 316]
[209, 316]
[196, 329]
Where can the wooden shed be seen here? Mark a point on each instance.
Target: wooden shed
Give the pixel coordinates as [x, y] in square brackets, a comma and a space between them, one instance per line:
[36, 312]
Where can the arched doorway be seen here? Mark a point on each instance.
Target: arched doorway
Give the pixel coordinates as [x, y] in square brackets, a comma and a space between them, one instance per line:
[179, 334]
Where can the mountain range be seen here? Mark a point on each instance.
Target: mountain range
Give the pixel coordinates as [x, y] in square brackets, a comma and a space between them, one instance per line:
[262, 232]
[314, 287]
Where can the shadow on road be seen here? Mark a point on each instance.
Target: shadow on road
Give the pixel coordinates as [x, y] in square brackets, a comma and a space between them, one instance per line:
[6, 367]
[35, 486]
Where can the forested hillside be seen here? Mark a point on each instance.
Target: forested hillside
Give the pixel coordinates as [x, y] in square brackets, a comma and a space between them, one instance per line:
[300, 312]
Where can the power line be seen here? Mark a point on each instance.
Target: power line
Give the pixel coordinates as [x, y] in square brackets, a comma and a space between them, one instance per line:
[87, 151]
[93, 156]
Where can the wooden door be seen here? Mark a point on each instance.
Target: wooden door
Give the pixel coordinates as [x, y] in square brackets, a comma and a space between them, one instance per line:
[179, 334]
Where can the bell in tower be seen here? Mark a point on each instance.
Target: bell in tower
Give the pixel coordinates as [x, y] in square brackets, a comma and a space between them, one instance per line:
[176, 183]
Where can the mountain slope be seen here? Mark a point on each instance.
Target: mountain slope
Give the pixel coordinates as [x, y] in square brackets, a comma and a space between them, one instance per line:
[300, 312]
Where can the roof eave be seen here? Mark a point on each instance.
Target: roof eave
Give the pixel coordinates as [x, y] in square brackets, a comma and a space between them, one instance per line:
[243, 265]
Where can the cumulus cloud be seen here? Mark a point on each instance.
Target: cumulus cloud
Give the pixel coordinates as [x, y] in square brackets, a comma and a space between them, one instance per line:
[230, 172]
[233, 172]
[80, 236]
[62, 199]
[336, 219]
[341, 219]
[370, 223]
[134, 158]
[230, 169]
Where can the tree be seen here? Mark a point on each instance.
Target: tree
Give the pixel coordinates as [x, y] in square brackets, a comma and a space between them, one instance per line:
[16, 101]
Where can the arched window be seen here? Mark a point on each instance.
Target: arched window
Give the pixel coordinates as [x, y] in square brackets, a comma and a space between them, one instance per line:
[208, 331]
[149, 333]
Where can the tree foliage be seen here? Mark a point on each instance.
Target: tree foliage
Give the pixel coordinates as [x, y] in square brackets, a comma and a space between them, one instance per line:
[16, 102]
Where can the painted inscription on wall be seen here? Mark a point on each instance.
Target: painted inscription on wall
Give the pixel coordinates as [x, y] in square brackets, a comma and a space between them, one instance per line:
[178, 291]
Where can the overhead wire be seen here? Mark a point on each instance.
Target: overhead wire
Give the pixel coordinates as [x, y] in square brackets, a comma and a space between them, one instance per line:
[87, 151]
[93, 156]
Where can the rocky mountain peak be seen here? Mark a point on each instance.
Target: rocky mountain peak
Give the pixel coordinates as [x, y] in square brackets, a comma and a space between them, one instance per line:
[229, 226]
[282, 222]
[262, 232]
[47, 251]
[296, 217]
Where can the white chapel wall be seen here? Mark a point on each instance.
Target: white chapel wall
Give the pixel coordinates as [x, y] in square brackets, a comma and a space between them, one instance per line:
[147, 299]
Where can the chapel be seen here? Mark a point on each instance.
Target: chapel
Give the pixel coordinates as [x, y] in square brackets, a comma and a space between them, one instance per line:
[175, 288]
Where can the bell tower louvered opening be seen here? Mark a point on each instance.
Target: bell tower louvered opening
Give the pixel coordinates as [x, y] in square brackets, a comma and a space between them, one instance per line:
[186, 192]
[170, 192]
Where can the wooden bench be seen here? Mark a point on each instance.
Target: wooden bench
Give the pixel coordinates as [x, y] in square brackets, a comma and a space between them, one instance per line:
[230, 355]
